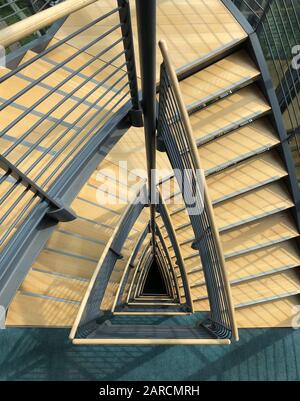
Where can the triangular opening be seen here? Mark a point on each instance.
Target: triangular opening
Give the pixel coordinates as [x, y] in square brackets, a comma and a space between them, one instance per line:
[155, 283]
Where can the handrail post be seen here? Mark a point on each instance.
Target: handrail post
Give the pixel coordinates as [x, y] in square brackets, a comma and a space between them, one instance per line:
[146, 24]
[126, 28]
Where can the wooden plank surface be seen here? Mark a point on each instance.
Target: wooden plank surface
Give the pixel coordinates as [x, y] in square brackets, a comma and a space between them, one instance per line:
[39, 312]
[231, 71]
[242, 105]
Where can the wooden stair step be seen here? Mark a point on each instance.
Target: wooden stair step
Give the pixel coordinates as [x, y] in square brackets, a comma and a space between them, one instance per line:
[260, 233]
[252, 236]
[265, 261]
[189, 22]
[233, 71]
[284, 255]
[73, 245]
[101, 215]
[266, 287]
[57, 262]
[259, 290]
[87, 229]
[15, 84]
[87, 80]
[98, 196]
[252, 205]
[26, 310]
[68, 49]
[111, 290]
[243, 177]
[247, 175]
[244, 105]
[238, 145]
[244, 208]
[52, 285]
[277, 313]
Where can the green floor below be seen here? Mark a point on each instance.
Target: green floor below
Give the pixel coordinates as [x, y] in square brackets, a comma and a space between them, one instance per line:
[41, 354]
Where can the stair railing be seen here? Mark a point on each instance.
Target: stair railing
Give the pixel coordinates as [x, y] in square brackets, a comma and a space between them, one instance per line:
[89, 310]
[40, 5]
[169, 227]
[168, 262]
[129, 266]
[11, 10]
[277, 24]
[174, 129]
[144, 259]
[16, 10]
[40, 168]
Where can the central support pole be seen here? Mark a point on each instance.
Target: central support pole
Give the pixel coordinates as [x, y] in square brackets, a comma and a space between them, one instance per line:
[146, 24]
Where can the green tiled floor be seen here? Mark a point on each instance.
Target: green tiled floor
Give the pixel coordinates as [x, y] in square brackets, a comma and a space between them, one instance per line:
[41, 354]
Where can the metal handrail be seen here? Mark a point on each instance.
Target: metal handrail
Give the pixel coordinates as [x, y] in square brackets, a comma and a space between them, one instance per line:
[22, 29]
[38, 169]
[166, 218]
[128, 266]
[136, 271]
[110, 92]
[222, 310]
[112, 248]
[169, 262]
[277, 27]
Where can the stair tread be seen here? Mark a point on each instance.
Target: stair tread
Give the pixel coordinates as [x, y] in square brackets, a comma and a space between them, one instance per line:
[15, 84]
[231, 71]
[42, 66]
[56, 262]
[277, 313]
[244, 208]
[74, 245]
[220, 27]
[27, 310]
[87, 229]
[100, 214]
[275, 228]
[250, 173]
[243, 105]
[259, 290]
[252, 205]
[267, 287]
[51, 285]
[111, 290]
[269, 260]
[237, 145]
[258, 234]
[67, 49]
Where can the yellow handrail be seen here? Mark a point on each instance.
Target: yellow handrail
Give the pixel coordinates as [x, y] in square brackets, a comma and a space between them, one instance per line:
[21, 29]
[197, 163]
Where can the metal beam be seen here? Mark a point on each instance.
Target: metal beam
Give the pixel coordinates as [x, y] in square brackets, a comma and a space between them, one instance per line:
[146, 24]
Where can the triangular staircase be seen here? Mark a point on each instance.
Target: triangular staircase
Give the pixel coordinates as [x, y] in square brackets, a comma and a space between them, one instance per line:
[239, 144]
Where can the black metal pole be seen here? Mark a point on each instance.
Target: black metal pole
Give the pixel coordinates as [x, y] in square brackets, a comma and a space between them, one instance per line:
[146, 24]
[125, 19]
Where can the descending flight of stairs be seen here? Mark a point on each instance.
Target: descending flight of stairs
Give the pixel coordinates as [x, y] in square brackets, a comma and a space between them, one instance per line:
[238, 148]
[247, 180]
